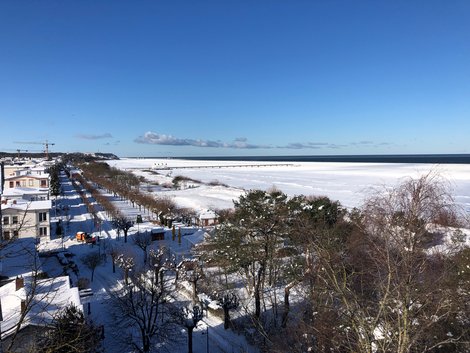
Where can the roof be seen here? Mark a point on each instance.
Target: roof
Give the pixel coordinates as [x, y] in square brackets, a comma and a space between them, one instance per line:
[29, 205]
[50, 296]
[24, 191]
[207, 214]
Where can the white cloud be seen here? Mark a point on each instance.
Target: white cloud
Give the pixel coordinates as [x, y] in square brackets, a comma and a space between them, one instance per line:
[106, 135]
[153, 138]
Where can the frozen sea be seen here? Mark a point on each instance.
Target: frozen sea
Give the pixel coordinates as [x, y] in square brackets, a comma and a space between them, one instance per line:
[348, 182]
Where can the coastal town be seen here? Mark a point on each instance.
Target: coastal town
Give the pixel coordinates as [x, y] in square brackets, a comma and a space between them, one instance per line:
[86, 242]
[49, 236]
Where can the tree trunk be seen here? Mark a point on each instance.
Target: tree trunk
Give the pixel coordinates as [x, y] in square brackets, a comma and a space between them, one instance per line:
[285, 314]
[161, 281]
[114, 265]
[146, 342]
[257, 303]
[226, 317]
[257, 290]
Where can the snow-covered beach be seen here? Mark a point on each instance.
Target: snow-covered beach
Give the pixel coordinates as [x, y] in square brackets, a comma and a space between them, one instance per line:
[348, 183]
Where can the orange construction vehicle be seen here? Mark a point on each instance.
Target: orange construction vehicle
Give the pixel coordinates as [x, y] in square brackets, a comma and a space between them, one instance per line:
[85, 237]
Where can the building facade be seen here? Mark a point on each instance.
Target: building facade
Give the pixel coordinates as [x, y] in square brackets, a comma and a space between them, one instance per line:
[25, 219]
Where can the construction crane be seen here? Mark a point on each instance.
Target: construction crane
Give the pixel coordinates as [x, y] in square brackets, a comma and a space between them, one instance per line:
[19, 151]
[46, 145]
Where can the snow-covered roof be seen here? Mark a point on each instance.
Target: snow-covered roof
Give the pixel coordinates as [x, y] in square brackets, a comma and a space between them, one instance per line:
[12, 192]
[207, 214]
[28, 205]
[29, 175]
[50, 296]
[197, 237]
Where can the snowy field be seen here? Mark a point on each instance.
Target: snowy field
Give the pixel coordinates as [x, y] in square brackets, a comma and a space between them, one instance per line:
[348, 183]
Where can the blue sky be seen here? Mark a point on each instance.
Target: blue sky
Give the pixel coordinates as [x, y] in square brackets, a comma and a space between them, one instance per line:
[235, 77]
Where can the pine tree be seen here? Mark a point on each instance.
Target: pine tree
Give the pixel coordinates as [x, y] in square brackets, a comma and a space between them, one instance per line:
[70, 332]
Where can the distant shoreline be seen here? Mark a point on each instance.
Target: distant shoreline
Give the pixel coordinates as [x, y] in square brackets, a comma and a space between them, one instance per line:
[394, 158]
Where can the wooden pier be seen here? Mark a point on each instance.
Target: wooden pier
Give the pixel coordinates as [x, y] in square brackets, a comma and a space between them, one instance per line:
[165, 167]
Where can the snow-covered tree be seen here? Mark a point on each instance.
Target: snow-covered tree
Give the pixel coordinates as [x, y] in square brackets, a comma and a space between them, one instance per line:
[189, 317]
[124, 224]
[138, 307]
[228, 301]
[70, 332]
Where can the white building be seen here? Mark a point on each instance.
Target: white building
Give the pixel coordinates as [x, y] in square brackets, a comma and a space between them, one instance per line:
[27, 179]
[207, 218]
[25, 219]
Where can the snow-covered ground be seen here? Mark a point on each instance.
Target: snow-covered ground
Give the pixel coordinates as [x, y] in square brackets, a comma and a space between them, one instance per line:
[348, 183]
[73, 214]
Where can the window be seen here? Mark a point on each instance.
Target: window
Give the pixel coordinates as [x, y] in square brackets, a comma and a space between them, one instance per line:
[15, 233]
[31, 183]
[17, 184]
[14, 220]
[43, 183]
[6, 235]
[23, 183]
[6, 221]
[42, 231]
[12, 184]
[42, 216]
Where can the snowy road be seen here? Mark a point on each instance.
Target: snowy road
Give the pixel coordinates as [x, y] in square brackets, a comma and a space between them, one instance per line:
[75, 218]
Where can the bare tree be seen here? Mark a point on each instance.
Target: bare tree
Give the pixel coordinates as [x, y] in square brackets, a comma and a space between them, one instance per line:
[127, 264]
[395, 296]
[143, 240]
[228, 301]
[122, 223]
[189, 318]
[92, 261]
[139, 305]
[371, 283]
[190, 270]
[114, 252]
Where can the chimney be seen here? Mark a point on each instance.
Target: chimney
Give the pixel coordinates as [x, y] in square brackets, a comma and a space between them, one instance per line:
[19, 283]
